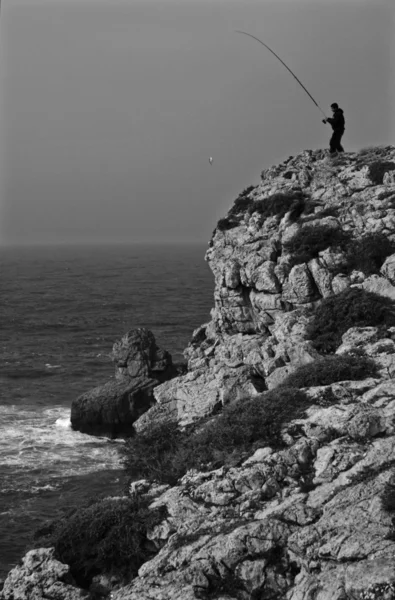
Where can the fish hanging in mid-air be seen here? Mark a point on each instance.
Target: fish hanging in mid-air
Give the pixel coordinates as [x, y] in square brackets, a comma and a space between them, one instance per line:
[210, 160]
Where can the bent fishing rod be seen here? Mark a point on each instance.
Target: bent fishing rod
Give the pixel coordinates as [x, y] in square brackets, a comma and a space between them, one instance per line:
[286, 66]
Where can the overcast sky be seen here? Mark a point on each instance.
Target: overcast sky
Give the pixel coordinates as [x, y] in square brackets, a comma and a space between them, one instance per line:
[111, 109]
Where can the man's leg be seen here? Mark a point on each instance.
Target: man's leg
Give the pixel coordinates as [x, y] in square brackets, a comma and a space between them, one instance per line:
[339, 135]
[333, 143]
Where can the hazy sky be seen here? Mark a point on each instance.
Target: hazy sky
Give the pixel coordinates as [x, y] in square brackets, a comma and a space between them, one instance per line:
[110, 109]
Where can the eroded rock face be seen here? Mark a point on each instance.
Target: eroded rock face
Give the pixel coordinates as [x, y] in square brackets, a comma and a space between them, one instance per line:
[257, 333]
[305, 522]
[41, 577]
[308, 522]
[112, 408]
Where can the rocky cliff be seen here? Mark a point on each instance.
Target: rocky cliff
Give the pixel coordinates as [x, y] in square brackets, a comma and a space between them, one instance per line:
[304, 267]
[257, 333]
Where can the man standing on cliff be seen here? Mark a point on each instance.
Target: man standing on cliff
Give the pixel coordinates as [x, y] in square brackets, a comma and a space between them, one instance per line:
[337, 122]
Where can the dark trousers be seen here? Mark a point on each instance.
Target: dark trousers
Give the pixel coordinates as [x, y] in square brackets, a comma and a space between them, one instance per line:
[334, 143]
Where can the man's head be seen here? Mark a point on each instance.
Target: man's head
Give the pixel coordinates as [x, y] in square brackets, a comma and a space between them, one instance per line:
[334, 106]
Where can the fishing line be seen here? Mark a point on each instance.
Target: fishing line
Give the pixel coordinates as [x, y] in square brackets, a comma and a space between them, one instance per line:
[282, 62]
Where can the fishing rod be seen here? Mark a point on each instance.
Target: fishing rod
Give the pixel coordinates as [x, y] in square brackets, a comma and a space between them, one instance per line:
[281, 61]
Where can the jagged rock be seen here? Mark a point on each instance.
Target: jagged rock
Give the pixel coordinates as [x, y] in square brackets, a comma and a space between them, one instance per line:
[41, 577]
[112, 408]
[137, 355]
[379, 285]
[388, 269]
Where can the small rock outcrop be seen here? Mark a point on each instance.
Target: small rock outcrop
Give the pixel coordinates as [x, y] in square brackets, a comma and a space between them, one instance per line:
[41, 577]
[112, 408]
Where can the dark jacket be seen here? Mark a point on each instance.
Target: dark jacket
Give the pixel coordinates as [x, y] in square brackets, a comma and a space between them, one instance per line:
[337, 121]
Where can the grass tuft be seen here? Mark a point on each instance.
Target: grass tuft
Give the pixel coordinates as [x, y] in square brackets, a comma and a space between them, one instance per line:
[377, 170]
[353, 307]
[310, 240]
[279, 204]
[367, 254]
[331, 369]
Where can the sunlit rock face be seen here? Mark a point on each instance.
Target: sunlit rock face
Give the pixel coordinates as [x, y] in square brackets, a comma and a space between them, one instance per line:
[266, 288]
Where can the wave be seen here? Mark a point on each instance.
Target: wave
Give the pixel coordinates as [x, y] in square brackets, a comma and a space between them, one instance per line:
[24, 373]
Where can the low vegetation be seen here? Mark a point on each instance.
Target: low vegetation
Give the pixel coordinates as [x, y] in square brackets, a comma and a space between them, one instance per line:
[242, 202]
[279, 204]
[310, 240]
[227, 223]
[164, 454]
[353, 307]
[377, 170]
[109, 536]
[331, 369]
[275, 205]
[367, 254]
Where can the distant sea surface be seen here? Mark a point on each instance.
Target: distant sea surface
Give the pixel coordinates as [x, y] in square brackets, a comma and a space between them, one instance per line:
[61, 310]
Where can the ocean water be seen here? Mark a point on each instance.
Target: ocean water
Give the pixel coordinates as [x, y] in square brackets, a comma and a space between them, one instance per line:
[61, 310]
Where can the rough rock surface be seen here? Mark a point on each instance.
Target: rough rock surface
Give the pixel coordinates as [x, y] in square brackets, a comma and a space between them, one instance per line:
[113, 407]
[314, 520]
[257, 332]
[41, 577]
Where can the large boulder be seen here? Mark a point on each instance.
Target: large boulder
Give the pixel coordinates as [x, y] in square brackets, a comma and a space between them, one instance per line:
[41, 577]
[112, 408]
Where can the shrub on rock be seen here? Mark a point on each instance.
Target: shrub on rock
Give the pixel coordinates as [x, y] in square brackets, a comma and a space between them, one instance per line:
[153, 453]
[309, 241]
[107, 537]
[161, 453]
[377, 170]
[331, 369]
[242, 202]
[279, 204]
[353, 307]
[368, 253]
[227, 223]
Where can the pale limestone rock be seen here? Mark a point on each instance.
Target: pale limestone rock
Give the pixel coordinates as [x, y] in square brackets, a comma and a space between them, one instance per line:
[41, 577]
[388, 268]
[389, 178]
[265, 279]
[380, 395]
[261, 301]
[379, 285]
[300, 287]
[322, 277]
[344, 392]
[340, 283]
[358, 336]
[232, 274]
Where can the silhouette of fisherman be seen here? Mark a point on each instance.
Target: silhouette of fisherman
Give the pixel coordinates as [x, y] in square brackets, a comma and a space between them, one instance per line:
[337, 122]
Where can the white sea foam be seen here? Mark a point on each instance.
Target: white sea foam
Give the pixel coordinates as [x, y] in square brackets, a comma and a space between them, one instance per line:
[41, 439]
[63, 422]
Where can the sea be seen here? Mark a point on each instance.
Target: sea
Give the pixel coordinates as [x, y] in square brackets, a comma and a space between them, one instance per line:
[61, 310]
